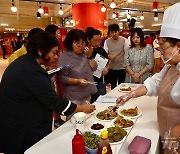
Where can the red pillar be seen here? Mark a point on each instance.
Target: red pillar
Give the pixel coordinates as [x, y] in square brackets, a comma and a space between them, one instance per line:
[89, 14]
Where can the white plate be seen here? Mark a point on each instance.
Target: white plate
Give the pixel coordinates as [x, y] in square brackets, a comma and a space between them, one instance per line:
[95, 116]
[132, 117]
[93, 130]
[112, 123]
[123, 91]
[114, 143]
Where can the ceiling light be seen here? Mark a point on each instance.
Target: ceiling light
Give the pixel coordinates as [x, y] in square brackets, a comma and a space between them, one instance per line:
[40, 10]
[46, 11]
[129, 1]
[142, 16]
[67, 22]
[155, 6]
[71, 21]
[155, 16]
[61, 12]
[113, 5]
[103, 9]
[113, 15]
[38, 15]
[13, 8]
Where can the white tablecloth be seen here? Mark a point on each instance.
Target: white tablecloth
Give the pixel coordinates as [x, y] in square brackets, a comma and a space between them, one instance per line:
[60, 140]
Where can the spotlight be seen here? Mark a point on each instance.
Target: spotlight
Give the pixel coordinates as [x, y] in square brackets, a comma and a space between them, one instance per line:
[113, 5]
[142, 16]
[155, 16]
[113, 15]
[103, 9]
[40, 10]
[38, 15]
[61, 12]
[13, 8]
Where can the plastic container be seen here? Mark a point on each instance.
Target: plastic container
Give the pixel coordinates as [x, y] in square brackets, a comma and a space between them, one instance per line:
[139, 145]
[78, 146]
[104, 145]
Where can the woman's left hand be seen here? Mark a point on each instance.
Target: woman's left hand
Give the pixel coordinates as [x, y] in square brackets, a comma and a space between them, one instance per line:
[88, 51]
[136, 77]
[105, 71]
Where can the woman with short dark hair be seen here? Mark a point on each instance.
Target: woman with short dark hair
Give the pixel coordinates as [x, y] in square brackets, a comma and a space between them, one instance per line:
[28, 99]
[77, 77]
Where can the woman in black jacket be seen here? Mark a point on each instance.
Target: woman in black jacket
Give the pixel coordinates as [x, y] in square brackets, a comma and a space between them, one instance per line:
[28, 99]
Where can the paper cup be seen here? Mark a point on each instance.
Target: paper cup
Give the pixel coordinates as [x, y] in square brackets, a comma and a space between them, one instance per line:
[79, 120]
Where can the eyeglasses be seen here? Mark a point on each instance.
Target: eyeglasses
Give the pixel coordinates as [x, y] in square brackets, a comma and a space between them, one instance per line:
[161, 49]
[78, 44]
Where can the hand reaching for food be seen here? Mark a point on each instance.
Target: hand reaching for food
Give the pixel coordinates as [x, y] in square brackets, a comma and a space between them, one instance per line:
[122, 99]
[88, 108]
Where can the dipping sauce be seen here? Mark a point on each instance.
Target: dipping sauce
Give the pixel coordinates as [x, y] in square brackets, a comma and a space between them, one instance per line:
[97, 126]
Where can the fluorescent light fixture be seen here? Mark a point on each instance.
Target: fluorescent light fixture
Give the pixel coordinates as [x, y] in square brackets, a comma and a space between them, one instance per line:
[69, 26]
[140, 26]
[123, 20]
[147, 30]
[10, 29]
[156, 25]
[130, 1]
[2, 24]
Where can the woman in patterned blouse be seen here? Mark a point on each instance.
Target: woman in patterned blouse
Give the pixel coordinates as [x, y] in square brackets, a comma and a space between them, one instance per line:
[138, 60]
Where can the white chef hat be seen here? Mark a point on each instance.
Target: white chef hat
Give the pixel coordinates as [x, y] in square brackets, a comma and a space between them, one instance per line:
[171, 22]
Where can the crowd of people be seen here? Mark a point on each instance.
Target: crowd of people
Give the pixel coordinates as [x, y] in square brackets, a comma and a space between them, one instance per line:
[29, 94]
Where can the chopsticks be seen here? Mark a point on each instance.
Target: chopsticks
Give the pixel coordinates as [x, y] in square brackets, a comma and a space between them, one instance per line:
[94, 83]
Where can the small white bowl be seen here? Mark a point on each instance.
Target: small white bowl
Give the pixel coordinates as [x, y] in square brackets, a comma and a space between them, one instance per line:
[94, 130]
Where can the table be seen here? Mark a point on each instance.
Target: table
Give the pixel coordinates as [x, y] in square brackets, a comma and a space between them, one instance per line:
[60, 140]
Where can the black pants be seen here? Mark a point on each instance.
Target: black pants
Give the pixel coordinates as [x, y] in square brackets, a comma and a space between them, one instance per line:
[116, 75]
[4, 51]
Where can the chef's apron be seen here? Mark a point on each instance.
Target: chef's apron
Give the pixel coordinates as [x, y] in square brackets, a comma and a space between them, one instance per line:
[167, 110]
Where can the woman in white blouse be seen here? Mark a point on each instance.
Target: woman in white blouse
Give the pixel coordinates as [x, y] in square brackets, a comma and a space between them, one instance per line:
[166, 84]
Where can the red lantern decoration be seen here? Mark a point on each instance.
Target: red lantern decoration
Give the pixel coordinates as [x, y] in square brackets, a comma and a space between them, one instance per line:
[117, 15]
[46, 11]
[155, 6]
